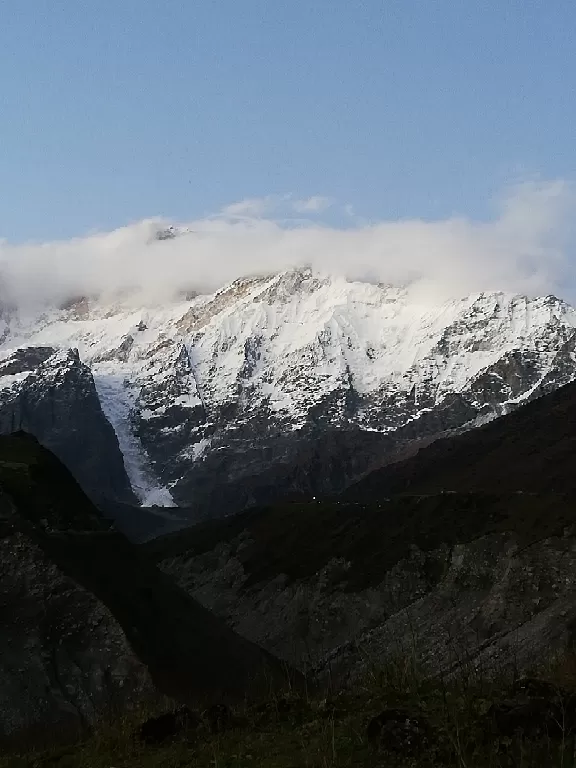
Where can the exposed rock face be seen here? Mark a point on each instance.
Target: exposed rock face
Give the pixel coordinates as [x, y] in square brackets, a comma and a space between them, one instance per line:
[54, 398]
[487, 602]
[88, 627]
[291, 385]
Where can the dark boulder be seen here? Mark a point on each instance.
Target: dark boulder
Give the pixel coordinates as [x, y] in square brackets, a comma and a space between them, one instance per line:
[157, 730]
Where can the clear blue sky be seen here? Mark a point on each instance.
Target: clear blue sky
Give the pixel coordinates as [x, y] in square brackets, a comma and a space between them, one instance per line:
[116, 111]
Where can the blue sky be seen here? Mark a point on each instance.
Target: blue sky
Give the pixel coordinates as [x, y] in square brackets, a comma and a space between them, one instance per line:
[111, 112]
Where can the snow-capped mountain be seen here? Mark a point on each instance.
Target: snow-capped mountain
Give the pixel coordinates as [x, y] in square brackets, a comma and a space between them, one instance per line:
[288, 383]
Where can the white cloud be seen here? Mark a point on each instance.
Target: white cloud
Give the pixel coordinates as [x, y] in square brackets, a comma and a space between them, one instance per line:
[524, 248]
[274, 206]
[314, 204]
[254, 206]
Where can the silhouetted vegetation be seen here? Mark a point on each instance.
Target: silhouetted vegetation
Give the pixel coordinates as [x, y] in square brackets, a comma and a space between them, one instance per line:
[395, 718]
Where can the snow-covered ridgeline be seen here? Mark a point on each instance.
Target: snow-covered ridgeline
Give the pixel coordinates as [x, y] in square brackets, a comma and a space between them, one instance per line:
[286, 343]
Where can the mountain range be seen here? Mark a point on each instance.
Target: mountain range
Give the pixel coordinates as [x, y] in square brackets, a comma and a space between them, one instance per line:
[282, 386]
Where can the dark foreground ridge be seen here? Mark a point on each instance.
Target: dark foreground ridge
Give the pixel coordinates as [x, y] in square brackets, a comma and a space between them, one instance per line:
[87, 622]
[532, 450]
[412, 560]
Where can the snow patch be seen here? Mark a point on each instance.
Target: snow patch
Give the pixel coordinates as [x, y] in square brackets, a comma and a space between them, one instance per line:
[117, 403]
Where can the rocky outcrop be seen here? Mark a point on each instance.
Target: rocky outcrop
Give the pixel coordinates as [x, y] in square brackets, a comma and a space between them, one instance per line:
[56, 401]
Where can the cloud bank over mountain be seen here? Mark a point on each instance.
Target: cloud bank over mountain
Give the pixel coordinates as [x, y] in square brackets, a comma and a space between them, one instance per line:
[526, 247]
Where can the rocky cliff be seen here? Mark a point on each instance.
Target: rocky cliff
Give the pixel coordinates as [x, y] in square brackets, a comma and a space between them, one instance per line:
[51, 394]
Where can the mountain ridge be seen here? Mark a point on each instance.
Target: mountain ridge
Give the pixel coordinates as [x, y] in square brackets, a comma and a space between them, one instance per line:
[223, 401]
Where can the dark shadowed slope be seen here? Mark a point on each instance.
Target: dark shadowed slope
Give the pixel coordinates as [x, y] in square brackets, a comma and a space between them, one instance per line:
[467, 548]
[79, 604]
[531, 449]
[298, 540]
